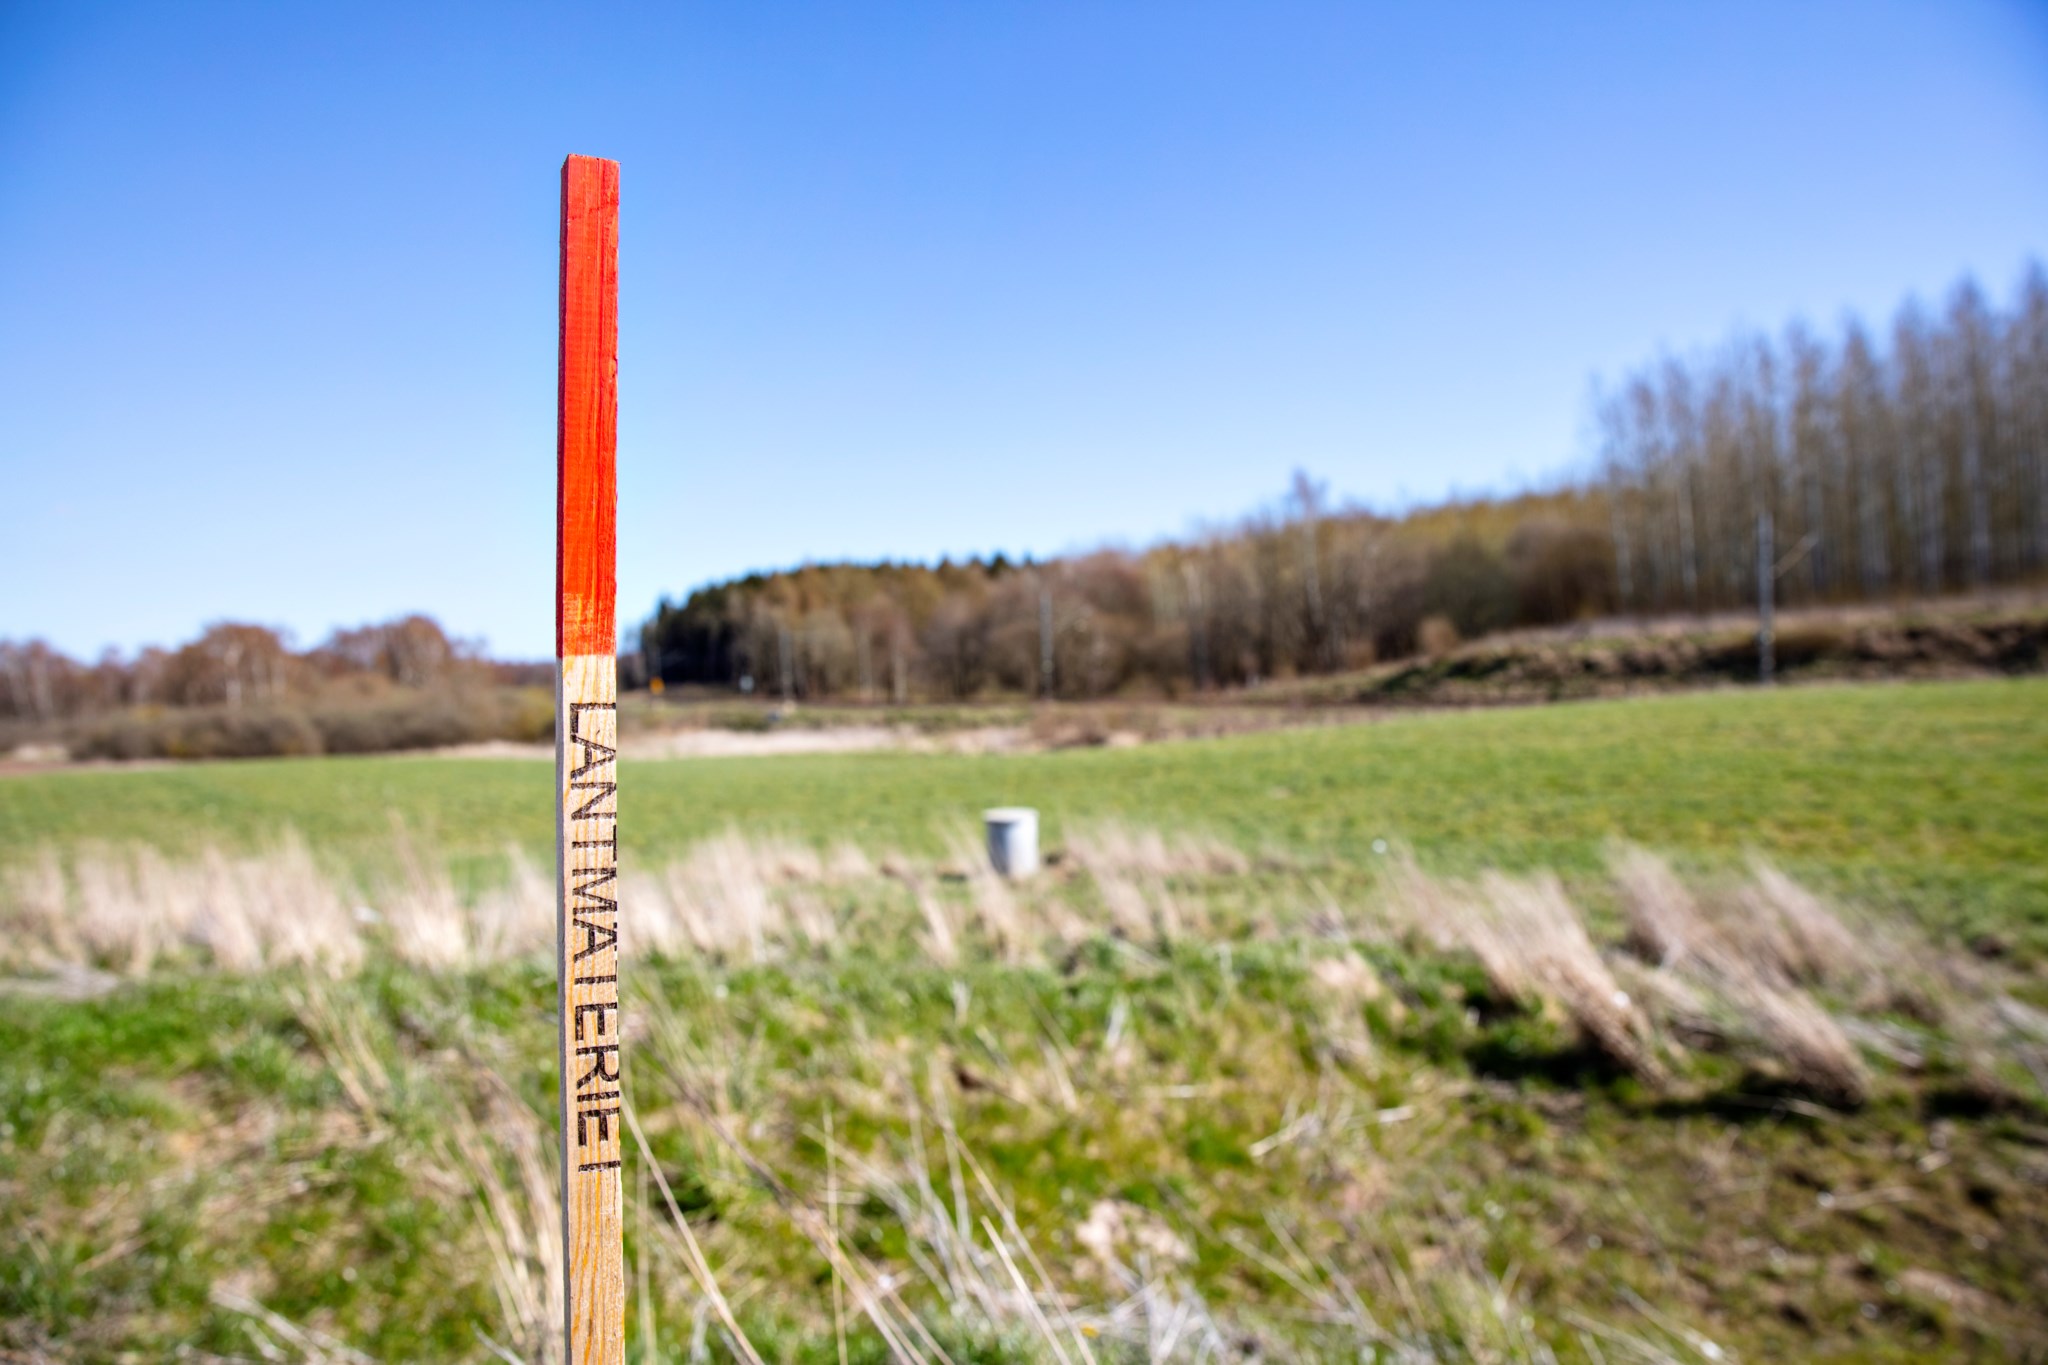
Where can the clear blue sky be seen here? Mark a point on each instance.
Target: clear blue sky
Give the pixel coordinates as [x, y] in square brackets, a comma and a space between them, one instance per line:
[277, 282]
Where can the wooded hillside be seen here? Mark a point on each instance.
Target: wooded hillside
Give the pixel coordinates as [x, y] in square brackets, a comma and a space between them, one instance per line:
[1908, 462]
[241, 690]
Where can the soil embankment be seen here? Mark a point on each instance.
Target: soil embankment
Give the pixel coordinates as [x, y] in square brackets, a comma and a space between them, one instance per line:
[1604, 661]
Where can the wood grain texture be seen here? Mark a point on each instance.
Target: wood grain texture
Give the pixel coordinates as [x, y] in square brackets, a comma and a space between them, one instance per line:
[587, 411]
[592, 1037]
[586, 767]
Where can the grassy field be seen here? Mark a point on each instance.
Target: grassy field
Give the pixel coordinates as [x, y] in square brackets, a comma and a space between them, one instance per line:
[1933, 795]
[1227, 1083]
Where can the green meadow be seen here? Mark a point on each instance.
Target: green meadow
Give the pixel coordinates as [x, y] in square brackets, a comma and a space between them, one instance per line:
[1933, 795]
[1361, 1042]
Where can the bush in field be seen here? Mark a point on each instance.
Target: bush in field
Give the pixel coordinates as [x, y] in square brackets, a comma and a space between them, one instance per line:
[397, 720]
[213, 732]
[431, 720]
[424, 723]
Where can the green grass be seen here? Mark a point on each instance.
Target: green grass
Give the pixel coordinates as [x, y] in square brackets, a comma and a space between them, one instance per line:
[1933, 795]
[196, 1128]
[193, 1130]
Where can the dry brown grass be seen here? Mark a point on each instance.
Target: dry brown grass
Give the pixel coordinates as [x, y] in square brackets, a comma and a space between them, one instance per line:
[732, 896]
[129, 909]
[508, 1162]
[1733, 963]
[487, 1148]
[998, 912]
[1121, 1287]
[1102, 1280]
[1798, 934]
[1126, 1299]
[1749, 952]
[1135, 870]
[1114, 846]
[717, 899]
[1533, 944]
[124, 909]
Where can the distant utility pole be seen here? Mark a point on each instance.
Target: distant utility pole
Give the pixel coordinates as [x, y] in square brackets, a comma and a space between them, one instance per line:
[1766, 592]
[1045, 641]
[1769, 569]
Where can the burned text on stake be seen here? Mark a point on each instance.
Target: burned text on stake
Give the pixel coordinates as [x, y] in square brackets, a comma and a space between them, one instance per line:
[591, 867]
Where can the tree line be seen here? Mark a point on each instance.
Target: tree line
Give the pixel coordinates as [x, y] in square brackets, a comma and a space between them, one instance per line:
[236, 664]
[242, 689]
[1909, 462]
[1300, 587]
[1912, 461]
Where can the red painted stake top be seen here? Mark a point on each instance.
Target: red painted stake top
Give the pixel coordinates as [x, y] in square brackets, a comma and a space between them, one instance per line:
[587, 412]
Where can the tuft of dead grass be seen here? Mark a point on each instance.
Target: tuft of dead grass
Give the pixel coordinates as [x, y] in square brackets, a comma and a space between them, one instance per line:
[125, 909]
[1752, 952]
[507, 1162]
[1116, 847]
[1533, 944]
[998, 914]
[1134, 871]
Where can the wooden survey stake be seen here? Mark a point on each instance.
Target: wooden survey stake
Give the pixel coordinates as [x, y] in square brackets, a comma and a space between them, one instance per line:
[586, 765]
